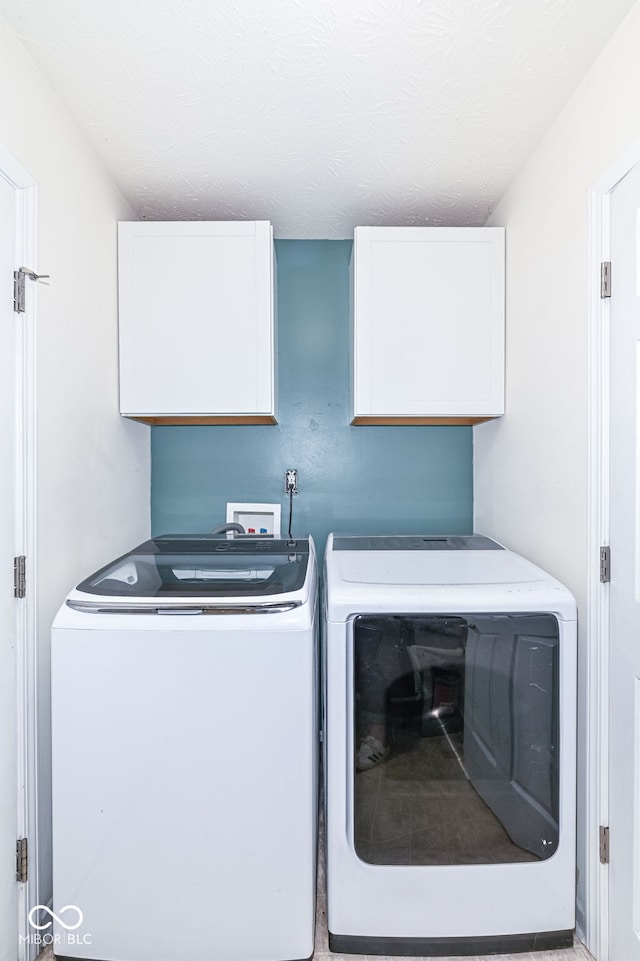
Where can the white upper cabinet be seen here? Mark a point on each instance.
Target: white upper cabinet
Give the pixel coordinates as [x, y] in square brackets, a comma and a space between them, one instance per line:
[428, 325]
[197, 332]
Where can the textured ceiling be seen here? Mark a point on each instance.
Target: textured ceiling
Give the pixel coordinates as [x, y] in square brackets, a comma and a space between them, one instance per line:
[318, 115]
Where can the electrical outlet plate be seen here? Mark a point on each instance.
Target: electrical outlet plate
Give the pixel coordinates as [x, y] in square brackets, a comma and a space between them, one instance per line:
[291, 480]
[258, 520]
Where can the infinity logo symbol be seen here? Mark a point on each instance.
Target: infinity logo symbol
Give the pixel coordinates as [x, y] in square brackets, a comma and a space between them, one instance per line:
[55, 917]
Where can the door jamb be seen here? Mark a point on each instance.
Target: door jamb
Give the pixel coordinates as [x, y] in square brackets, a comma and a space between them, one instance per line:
[597, 614]
[25, 482]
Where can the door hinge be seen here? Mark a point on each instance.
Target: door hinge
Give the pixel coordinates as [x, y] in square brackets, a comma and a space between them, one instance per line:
[19, 285]
[605, 278]
[604, 845]
[20, 576]
[605, 564]
[22, 860]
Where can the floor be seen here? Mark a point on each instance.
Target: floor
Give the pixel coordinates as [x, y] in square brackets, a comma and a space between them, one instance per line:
[322, 954]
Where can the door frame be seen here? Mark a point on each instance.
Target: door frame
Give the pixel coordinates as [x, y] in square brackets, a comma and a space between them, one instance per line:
[597, 697]
[25, 486]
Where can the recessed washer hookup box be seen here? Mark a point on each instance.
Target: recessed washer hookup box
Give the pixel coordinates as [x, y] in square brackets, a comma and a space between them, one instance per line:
[258, 520]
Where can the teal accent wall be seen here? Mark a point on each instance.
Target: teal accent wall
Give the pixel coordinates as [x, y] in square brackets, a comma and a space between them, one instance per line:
[351, 479]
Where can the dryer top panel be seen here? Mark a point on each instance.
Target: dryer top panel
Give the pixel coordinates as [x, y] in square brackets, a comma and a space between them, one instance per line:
[380, 577]
[416, 542]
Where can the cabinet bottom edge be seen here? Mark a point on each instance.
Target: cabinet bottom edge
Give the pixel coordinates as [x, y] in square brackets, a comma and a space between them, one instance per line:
[364, 421]
[160, 420]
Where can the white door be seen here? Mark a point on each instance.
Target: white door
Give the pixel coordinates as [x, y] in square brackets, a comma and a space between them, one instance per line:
[8, 631]
[624, 787]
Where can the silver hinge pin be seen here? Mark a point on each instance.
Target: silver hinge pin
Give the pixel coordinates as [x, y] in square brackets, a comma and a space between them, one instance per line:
[605, 564]
[20, 576]
[22, 860]
[605, 278]
[604, 845]
[18, 292]
[19, 284]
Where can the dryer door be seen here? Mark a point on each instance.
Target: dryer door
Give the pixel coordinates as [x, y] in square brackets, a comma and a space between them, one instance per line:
[456, 735]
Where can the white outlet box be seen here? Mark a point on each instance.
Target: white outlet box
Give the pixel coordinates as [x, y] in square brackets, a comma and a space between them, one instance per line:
[258, 520]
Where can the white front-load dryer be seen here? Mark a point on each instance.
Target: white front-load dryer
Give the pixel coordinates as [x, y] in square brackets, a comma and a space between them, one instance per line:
[450, 702]
[185, 754]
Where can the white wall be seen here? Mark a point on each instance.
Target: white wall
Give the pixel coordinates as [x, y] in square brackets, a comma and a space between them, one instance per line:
[530, 468]
[92, 467]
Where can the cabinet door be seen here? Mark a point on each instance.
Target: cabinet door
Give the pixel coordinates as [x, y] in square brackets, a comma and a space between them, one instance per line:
[196, 322]
[428, 313]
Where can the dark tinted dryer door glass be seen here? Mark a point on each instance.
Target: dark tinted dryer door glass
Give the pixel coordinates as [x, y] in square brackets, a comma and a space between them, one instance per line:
[456, 734]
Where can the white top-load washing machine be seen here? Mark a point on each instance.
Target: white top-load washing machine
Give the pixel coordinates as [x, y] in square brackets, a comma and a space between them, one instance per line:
[185, 754]
[450, 701]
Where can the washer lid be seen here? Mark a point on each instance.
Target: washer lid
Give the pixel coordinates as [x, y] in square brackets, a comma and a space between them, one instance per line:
[203, 566]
